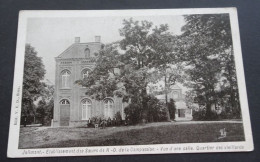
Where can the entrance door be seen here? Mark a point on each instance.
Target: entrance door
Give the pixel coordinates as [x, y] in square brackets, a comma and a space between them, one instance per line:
[64, 112]
[181, 113]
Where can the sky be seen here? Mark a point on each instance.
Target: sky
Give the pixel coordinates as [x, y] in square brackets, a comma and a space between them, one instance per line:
[51, 36]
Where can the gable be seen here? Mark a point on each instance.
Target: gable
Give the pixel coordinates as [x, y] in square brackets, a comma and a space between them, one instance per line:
[175, 87]
[77, 50]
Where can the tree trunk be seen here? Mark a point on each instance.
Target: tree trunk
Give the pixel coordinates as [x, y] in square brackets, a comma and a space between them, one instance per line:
[208, 111]
[208, 114]
[145, 105]
[166, 98]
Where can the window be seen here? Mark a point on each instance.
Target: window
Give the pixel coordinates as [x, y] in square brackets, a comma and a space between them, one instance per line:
[85, 73]
[87, 53]
[64, 102]
[108, 108]
[65, 77]
[86, 109]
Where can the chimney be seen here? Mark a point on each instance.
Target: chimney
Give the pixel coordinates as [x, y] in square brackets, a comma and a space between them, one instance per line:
[77, 39]
[97, 39]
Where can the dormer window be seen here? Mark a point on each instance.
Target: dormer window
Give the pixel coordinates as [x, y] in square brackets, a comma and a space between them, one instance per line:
[87, 53]
[85, 73]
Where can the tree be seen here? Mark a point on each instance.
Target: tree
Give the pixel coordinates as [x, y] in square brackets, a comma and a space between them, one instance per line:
[34, 73]
[44, 109]
[133, 113]
[172, 108]
[204, 81]
[127, 74]
[190, 100]
[156, 111]
[206, 47]
[40, 111]
[49, 93]
[165, 59]
[229, 83]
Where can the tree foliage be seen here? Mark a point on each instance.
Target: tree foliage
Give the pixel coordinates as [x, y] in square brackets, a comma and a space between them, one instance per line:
[144, 52]
[33, 87]
[206, 47]
[156, 111]
[44, 109]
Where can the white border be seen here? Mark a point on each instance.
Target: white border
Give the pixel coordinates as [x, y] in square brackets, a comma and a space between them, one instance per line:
[13, 141]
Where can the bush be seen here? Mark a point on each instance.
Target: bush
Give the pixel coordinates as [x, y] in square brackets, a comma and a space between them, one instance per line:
[118, 118]
[225, 114]
[27, 120]
[162, 112]
[133, 113]
[94, 120]
[199, 115]
[155, 111]
[229, 115]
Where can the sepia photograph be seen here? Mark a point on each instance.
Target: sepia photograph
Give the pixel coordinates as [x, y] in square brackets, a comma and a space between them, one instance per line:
[128, 82]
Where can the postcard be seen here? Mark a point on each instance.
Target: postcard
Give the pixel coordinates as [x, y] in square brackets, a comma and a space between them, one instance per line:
[120, 82]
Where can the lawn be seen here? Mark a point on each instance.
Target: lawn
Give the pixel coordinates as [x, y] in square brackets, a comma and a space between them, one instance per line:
[152, 133]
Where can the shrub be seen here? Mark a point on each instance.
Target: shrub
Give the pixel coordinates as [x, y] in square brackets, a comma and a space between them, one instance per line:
[156, 110]
[118, 118]
[162, 112]
[94, 120]
[199, 114]
[225, 113]
[229, 115]
[133, 113]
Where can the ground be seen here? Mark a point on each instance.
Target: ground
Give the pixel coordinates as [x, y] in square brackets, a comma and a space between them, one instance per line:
[152, 133]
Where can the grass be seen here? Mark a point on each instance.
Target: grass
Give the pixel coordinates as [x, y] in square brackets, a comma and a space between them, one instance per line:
[153, 133]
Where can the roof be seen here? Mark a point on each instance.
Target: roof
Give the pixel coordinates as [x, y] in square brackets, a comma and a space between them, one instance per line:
[77, 50]
[175, 87]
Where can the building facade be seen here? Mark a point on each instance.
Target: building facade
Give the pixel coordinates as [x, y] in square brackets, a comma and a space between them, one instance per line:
[72, 107]
[182, 111]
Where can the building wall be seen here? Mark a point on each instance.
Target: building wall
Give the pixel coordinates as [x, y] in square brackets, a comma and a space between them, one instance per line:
[76, 93]
[176, 94]
[187, 116]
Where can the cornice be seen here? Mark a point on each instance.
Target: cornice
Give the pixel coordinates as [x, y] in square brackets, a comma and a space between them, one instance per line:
[91, 59]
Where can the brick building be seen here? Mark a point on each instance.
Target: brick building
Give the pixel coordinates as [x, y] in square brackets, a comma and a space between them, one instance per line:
[71, 105]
